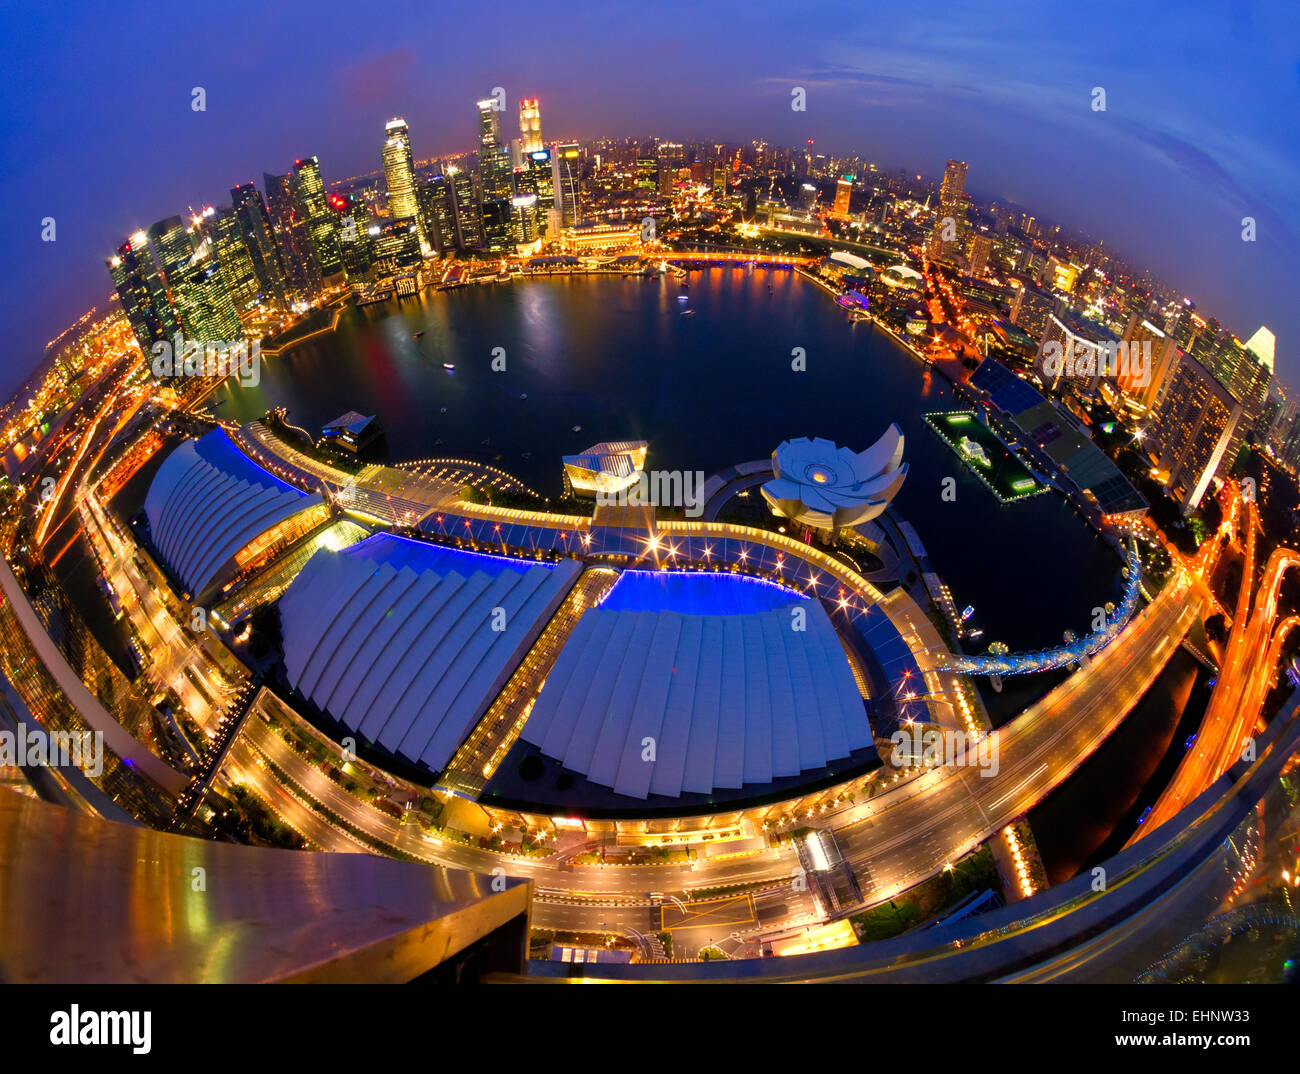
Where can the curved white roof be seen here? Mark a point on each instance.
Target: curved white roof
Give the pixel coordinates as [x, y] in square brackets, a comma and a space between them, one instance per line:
[819, 483]
[729, 700]
[207, 501]
[405, 656]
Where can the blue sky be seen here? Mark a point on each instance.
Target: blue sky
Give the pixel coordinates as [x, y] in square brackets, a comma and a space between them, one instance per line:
[1201, 127]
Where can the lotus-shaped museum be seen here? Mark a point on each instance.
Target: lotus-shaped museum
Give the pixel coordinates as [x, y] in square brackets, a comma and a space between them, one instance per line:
[820, 484]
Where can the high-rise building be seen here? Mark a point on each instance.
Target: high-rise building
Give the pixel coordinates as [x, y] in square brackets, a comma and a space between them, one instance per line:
[322, 224]
[142, 292]
[542, 183]
[194, 282]
[493, 155]
[671, 156]
[172, 248]
[469, 224]
[566, 181]
[719, 180]
[523, 208]
[439, 212]
[396, 244]
[647, 174]
[1191, 431]
[977, 253]
[1030, 310]
[843, 193]
[292, 238]
[399, 174]
[225, 230]
[1159, 357]
[207, 311]
[498, 225]
[530, 125]
[356, 244]
[260, 241]
[950, 229]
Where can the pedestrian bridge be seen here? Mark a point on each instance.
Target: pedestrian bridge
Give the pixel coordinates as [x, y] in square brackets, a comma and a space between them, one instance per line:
[1023, 663]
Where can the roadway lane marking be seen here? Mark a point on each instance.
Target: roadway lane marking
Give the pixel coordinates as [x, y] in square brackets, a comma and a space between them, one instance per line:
[1016, 789]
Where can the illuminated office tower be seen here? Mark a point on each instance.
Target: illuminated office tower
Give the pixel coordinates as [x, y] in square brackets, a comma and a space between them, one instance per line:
[566, 176]
[438, 211]
[172, 248]
[542, 181]
[469, 225]
[671, 156]
[498, 225]
[399, 174]
[647, 174]
[289, 227]
[1159, 356]
[260, 240]
[203, 302]
[225, 230]
[843, 193]
[1191, 430]
[493, 155]
[396, 243]
[523, 209]
[720, 181]
[322, 224]
[141, 291]
[977, 253]
[530, 125]
[356, 245]
[950, 228]
[198, 293]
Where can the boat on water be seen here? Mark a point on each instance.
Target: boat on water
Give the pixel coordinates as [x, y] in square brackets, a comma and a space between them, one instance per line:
[418, 335]
[686, 313]
[449, 366]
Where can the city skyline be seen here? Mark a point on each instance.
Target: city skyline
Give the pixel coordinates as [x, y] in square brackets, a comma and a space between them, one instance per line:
[1169, 189]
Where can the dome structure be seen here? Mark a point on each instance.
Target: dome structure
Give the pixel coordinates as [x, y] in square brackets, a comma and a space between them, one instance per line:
[820, 484]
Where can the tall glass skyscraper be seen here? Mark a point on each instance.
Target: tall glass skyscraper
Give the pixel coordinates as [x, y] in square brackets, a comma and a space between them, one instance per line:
[566, 174]
[399, 174]
[142, 293]
[493, 157]
[438, 211]
[291, 236]
[530, 124]
[322, 225]
[223, 226]
[260, 240]
[469, 226]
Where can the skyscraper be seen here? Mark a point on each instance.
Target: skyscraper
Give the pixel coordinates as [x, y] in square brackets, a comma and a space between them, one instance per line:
[1192, 428]
[223, 227]
[292, 238]
[566, 175]
[198, 292]
[949, 230]
[399, 174]
[260, 240]
[530, 125]
[438, 211]
[322, 225]
[469, 225]
[142, 293]
[498, 225]
[843, 194]
[493, 155]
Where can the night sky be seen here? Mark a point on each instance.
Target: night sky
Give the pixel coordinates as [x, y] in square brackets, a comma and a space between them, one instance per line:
[1201, 128]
